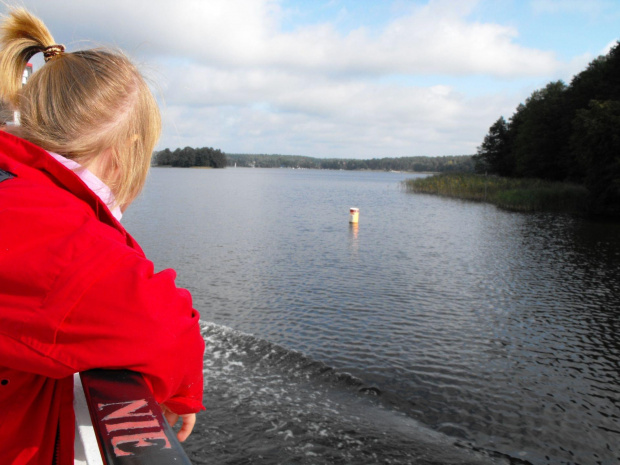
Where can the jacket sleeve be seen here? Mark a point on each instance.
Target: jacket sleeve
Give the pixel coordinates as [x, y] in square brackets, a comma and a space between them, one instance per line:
[131, 317]
[75, 296]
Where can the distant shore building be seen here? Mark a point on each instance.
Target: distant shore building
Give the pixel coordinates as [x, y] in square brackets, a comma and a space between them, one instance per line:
[27, 73]
[8, 115]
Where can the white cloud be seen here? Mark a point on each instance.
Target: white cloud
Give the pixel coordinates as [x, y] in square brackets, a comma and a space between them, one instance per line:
[435, 38]
[235, 75]
[608, 47]
[279, 112]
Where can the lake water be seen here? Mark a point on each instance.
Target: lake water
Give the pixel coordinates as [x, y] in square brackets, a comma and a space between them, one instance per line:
[436, 331]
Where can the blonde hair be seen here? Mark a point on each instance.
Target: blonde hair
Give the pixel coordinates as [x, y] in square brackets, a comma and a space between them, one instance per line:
[82, 105]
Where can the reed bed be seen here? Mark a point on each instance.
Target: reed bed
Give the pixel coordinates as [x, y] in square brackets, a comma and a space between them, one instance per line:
[518, 194]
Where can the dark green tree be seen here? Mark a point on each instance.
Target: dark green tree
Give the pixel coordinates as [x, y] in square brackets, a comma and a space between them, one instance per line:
[184, 157]
[218, 159]
[494, 155]
[164, 157]
[595, 144]
[541, 134]
[202, 157]
[599, 81]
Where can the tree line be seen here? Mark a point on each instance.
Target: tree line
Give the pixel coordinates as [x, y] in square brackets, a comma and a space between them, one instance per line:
[188, 156]
[565, 133]
[456, 163]
[215, 158]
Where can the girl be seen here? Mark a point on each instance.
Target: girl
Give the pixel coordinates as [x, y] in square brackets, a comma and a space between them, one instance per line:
[76, 291]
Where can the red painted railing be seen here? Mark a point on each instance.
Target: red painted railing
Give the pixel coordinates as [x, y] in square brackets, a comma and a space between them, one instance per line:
[128, 422]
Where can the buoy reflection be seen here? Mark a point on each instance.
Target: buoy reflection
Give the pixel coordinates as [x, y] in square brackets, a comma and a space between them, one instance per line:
[354, 227]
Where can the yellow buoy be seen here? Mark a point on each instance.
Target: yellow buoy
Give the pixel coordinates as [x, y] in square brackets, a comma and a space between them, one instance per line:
[355, 215]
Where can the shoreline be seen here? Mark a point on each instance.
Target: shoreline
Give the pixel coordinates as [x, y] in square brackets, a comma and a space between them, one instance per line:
[521, 195]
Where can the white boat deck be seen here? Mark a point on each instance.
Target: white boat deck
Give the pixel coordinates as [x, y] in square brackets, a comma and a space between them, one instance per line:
[86, 447]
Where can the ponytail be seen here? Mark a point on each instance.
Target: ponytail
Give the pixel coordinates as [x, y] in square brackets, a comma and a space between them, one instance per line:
[22, 35]
[83, 105]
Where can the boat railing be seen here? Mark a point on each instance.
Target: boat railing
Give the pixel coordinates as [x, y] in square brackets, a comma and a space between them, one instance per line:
[120, 423]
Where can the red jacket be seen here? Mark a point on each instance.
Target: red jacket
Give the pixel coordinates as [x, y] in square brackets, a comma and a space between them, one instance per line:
[76, 292]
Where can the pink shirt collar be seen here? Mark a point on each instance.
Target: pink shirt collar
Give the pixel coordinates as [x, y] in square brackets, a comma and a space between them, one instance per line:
[95, 184]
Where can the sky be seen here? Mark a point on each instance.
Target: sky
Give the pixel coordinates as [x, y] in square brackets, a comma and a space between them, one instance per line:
[339, 78]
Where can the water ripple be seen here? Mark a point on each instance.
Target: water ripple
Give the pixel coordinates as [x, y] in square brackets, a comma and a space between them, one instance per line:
[497, 328]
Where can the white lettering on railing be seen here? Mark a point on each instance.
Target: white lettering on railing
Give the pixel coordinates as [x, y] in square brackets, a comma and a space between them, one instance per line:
[125, 412]
[132, 425]
[139, 439]
[134, 420]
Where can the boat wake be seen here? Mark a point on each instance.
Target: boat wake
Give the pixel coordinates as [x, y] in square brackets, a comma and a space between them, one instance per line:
[269, 405]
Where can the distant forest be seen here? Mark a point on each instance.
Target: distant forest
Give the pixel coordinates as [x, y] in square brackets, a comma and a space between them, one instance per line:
[188, 157]
[419, 164]
[565, 133]
[214, 158]
[568, 133]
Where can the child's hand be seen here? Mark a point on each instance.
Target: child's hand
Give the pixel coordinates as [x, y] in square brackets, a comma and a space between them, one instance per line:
[188, 422]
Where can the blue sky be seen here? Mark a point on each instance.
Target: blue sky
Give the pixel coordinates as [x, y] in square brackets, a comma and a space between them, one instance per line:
[340, 78]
